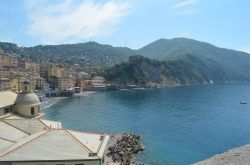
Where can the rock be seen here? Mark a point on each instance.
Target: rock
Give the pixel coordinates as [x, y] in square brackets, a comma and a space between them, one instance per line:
[125, 148]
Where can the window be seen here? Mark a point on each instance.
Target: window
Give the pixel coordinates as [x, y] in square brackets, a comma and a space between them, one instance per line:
[11, 109]
[25, 88]
[32, 111]
[103, 159]
[6, 110]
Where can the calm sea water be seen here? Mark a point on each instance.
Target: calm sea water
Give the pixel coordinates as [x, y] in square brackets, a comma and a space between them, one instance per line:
[179, 125]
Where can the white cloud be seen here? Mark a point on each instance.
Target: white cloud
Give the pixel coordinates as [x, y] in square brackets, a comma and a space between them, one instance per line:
[185, 7]
[184, 3]
[68, 21]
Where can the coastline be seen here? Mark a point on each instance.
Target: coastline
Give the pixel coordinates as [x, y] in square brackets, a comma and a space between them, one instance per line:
[50, 101]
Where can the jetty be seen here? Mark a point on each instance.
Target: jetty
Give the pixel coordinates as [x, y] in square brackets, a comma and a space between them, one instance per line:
[123, 148]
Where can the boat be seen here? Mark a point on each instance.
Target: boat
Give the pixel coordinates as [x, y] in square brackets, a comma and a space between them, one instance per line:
[124, 89]
[243, 102]
[139, 88]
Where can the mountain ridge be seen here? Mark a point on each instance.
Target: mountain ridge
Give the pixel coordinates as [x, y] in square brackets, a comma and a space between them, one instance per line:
[103, 56]
[89, 53]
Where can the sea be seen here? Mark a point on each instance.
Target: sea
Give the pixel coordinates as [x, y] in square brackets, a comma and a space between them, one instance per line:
[179, 125]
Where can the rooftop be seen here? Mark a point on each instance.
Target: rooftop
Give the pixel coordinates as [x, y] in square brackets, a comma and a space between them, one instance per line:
[29, 98]
[57, 144]
[14, 130]
[8, 97]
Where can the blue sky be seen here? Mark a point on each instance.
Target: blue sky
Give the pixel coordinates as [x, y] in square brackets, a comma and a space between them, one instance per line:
[225, 23]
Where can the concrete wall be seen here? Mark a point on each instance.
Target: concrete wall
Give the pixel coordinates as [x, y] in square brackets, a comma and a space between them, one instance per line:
[94, 162]
[2, 111]
[5, 163]
[25, 110]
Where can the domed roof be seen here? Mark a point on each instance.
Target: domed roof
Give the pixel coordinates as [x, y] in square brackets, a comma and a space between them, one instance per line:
[27, 98]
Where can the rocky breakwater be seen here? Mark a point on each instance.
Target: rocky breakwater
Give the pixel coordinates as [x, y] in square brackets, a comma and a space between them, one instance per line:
[124, 148]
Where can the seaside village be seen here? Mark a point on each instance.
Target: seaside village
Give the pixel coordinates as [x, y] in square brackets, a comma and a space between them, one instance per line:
[25, 138]
[47, 78]
[26, 87]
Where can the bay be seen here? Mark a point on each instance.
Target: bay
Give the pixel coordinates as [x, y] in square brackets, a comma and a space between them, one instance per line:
[180, 125]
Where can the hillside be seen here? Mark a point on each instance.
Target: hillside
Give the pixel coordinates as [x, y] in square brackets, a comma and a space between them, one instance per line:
[229, 60]
[173, 61]
[90, 53]
[145, 72]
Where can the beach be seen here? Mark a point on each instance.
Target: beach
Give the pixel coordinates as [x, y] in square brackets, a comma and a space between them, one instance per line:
[50, 101]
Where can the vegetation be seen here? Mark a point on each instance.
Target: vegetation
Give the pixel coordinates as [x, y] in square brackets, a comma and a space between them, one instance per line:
[230, 61]
[90, 53]
[145, 72]
[165, 63]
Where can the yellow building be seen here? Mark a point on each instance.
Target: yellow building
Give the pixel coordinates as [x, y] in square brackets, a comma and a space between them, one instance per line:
[6, 60]
[55, 71]
[86, 85]
[1, 57]
[39, 82]
[66, 83]
[14, 84]
[60, 72]
[5, 84]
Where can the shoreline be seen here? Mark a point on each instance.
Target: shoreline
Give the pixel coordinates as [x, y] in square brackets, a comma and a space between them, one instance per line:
[180, 85]
[50, 101]
[90, 92]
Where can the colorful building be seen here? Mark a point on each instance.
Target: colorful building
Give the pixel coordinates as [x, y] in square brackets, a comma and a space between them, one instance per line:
[5, 84]
[55, 71]
[66, 83]
[14, 84]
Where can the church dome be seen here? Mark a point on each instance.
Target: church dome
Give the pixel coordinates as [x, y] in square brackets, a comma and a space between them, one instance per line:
[27, 102]
[29, 98]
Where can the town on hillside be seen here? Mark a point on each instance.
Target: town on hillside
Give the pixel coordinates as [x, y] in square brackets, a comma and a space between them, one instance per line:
[26, 138]
[46, 79]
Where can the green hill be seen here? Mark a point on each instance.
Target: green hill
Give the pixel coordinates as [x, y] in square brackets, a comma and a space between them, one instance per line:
[229, 60]
[169, 61]
[143, 71]
[90, 53]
